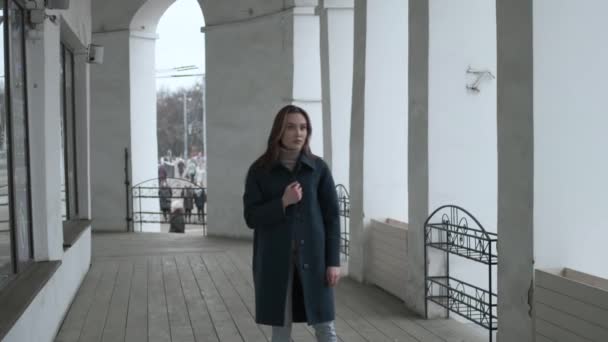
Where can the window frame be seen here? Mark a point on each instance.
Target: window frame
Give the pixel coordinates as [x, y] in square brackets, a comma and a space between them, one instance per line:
[69, 129]
[18, 265]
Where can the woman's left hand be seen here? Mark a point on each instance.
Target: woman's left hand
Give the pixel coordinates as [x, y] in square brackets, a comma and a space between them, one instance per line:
[333, 276]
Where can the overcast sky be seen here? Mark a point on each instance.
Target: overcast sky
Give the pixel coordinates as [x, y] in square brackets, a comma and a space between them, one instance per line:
[180, 43]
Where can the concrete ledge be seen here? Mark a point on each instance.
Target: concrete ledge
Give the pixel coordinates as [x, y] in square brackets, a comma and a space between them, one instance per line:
[339, 4]
[20, 293]
[42, 317]
[72, 230]
[386, 266]
[570, 305]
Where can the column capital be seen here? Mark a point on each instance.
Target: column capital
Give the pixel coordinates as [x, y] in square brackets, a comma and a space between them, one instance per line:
[306, 3]
[305, 7]
[339, 4]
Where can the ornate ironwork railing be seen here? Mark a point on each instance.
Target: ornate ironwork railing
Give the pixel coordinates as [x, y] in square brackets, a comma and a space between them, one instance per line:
[455, 231]
[344, 210]
[153, 202]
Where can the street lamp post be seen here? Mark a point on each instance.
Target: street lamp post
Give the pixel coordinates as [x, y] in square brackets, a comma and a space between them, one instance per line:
[185, 127]
[204, 119]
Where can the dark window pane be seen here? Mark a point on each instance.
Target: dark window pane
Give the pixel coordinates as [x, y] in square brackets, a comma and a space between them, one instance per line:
[19, 138]
[68, 122]
[64, 184]
[6, 268]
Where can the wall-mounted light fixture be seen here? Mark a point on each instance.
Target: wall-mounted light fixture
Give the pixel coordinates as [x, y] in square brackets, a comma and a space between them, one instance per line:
[95, 54]
[480, 75]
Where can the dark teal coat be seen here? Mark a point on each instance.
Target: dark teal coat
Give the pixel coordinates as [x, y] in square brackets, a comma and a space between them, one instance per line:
[313, 224]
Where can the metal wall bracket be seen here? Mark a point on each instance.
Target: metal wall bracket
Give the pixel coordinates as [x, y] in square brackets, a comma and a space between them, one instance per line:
[480, 75]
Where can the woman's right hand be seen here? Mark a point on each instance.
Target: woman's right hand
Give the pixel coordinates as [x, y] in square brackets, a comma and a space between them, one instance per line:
[292, 194]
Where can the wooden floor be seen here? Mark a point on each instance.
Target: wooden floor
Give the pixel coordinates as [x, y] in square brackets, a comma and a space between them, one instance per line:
[172, 287]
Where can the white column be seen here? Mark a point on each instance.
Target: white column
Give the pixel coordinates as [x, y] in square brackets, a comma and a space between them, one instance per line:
[111, 131]
[515, 169]
[378, 170]
[144, 145]
[307, 68]
[338, 18]
[43, 53]
[418, 152]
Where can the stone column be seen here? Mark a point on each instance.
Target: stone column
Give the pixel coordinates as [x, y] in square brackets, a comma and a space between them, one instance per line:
[44, 115]
[111, 131]
[418, 154]
[337, 38]
[144, 145]
[515, 169]
[307, 67]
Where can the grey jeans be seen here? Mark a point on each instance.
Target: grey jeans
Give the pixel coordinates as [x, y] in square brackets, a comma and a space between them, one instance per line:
[325, 332]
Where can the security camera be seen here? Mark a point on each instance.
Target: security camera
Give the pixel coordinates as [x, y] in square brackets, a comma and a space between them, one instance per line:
[95, 54]
[57, 4]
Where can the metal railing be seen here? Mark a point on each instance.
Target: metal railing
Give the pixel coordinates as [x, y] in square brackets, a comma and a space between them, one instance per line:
[4, 207]
[344, 210]
[455, 231]
[151, 195]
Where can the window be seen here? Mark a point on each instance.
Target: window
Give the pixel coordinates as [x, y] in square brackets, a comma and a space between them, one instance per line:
[16, 250]
[68, 136]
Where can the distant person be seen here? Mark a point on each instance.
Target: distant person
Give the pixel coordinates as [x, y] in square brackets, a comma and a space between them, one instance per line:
[181, 170]
[177, 223]
[162, 171]
[165, 193]
[200, 198]
[191, 170]
[188, 196]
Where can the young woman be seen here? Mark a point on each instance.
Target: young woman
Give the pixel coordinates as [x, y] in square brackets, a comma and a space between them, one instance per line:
[290, 202]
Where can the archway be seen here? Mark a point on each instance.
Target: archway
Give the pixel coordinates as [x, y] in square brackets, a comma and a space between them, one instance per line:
[144, 38]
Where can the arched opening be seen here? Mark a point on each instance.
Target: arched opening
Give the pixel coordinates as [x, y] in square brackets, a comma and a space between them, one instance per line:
[167, 116]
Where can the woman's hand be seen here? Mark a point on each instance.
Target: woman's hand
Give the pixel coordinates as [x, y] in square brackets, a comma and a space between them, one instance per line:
[333, 275]
[292, 194]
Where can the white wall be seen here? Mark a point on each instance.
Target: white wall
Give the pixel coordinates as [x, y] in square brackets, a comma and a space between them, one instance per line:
[110, 131]
[249, 78]
[570, 137]
[386, 103]
[144, 145]
[462, 123]
[340, 36]
[307, 71]
[43, 317]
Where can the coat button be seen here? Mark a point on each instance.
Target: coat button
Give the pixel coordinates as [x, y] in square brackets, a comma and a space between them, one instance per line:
[301, 242]
[305, 266]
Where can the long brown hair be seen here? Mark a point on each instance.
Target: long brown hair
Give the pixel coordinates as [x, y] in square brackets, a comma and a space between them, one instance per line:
[271, 155]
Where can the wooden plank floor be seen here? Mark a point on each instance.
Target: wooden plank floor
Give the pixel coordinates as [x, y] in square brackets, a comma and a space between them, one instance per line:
[172, 287]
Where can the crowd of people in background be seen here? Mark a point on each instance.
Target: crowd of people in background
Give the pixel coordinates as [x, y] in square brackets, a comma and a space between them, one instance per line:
[182, 187]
